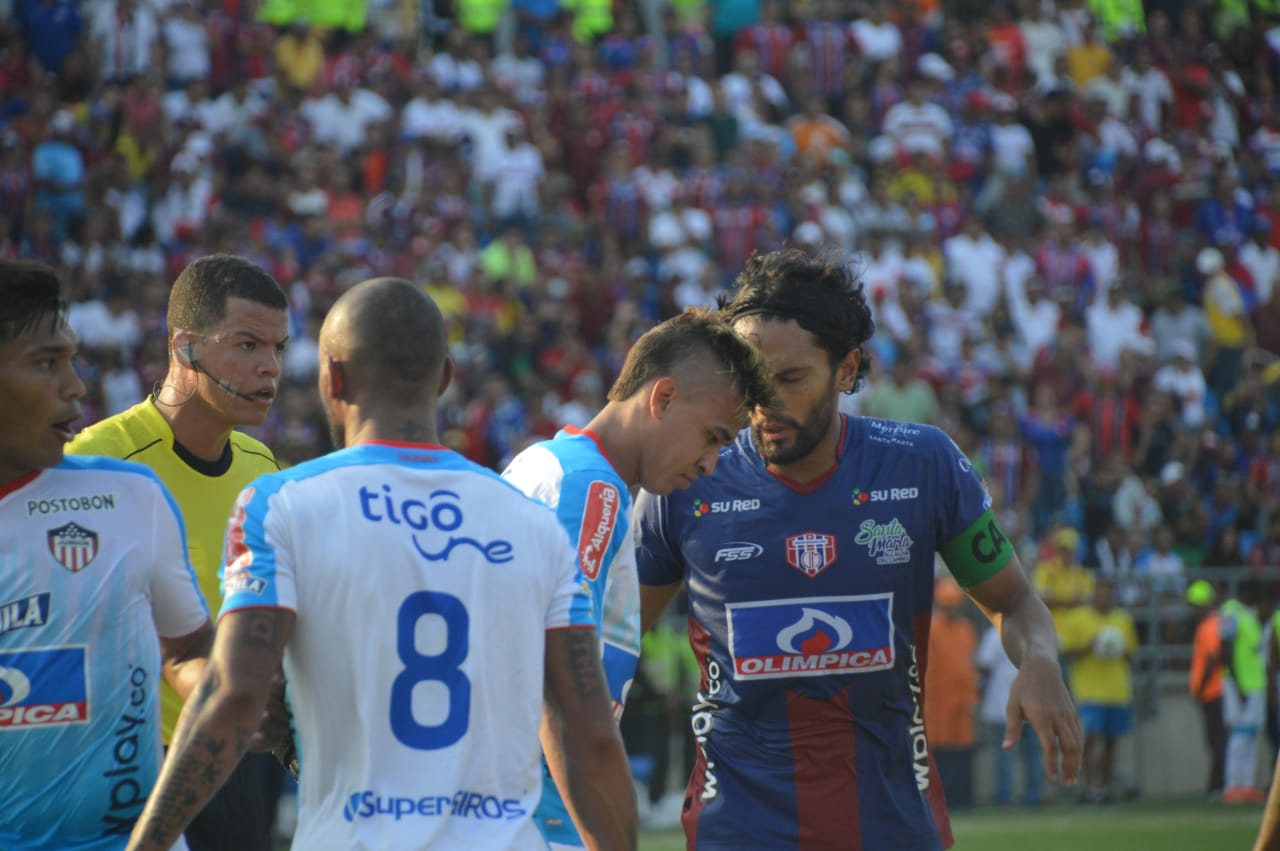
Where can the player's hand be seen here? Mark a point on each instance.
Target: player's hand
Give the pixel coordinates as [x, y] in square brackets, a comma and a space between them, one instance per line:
[274, 728]
[1039, 695]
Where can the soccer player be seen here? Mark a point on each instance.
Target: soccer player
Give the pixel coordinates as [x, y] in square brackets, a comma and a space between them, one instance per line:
[681, 396]
[228, 326]
[809, 563]
[421, 606]
[97, 601]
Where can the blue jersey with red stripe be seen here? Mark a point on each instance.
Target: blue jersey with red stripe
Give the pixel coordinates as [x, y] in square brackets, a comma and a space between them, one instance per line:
[809, 614]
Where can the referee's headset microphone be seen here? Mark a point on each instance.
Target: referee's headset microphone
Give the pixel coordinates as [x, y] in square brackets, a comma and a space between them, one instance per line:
[187, 353]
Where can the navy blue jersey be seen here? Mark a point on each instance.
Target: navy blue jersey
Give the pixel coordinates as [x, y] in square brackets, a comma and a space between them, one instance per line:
[809, 614]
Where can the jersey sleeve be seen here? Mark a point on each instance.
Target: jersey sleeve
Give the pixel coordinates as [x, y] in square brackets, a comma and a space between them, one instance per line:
[658, 562]
[972, 545]
[620, 624]
[177, 606]
[259, 566]
[570, 599]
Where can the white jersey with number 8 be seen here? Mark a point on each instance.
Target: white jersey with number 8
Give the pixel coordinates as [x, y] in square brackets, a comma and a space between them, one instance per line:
[424, 586]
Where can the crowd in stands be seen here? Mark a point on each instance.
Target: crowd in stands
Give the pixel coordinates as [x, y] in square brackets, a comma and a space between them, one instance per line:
[1064, 214]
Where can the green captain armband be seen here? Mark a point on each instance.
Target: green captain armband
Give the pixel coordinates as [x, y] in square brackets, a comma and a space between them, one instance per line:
[979, 552]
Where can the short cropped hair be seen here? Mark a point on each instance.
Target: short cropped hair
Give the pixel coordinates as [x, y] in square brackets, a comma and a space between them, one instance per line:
[697, 338]
[198, 300]
[824, 297]
[29, 294]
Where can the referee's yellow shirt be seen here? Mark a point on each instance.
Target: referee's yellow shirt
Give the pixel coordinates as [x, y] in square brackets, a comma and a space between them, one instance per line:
[205, 492]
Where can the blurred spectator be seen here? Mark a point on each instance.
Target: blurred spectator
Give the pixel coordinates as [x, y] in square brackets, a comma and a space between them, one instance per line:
[997, 677]
[1099, 639]
[951, 692]
[1059, 578]
[1244, 691]
[1047, 430]
[1183, 380]
[903, 396]
[1205, 679]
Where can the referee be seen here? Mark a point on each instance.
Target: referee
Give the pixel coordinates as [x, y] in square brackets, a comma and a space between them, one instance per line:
[228, 326]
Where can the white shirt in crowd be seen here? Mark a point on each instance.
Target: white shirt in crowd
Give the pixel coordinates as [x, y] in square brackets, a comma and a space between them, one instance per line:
[1011, 146]
[1153, 91]
[1188, 387]
[948, 326]
[1263, 263]
[187, 46]
[431, 119]
[977, 263]
[344, 125]
[1111, 329]
[1045, 42]
[877, 42]
[515, 175]
[925, 128]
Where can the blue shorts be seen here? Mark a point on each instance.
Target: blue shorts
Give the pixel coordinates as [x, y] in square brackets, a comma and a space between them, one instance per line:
[1103, 719]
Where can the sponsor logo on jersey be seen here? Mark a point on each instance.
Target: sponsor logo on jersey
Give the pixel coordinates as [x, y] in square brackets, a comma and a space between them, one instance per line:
[892, 434]
[241, 581]
[238, 555]
[431, 523]
[55, 504]
[919, 742]
[461, 804]
[811, 637]
[27, 612]
[861, 497]
[599, 517]
[43, 687]
[703, 722]
[811, 552]
[73, 546]
[129, 741]
[701, 507]
[887, 543]
[739, 551]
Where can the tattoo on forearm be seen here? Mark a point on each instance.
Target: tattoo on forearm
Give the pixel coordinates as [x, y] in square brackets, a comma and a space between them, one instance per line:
[262, 629]
[584, 661]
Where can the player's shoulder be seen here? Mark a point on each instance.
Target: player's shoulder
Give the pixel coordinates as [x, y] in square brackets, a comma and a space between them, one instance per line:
[252, 453]
[910, 440]
[123, 435]
[108, 471]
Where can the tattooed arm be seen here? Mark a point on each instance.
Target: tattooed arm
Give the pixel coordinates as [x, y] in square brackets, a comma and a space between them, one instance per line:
[582, 743]
[217, 722]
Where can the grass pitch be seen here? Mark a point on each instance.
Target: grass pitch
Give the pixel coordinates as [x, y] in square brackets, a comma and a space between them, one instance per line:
[1177, 825]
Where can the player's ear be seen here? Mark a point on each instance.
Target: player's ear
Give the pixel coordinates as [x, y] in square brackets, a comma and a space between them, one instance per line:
[333, 381]
[446, 376]
[183, 347]
[661, 396]
[847, 370]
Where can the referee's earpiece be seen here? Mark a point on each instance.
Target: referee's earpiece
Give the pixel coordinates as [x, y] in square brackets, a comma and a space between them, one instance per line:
[187, 353]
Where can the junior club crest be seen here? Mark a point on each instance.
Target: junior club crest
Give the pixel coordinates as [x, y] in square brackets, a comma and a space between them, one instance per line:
[73, 546]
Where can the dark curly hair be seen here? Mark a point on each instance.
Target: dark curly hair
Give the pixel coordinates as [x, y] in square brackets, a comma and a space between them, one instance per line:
[824, 297]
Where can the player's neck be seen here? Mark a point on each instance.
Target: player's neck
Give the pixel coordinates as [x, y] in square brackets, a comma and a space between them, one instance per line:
[396, 425]
[617, 440]
[195, 428]
[818, 463]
